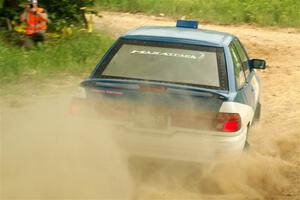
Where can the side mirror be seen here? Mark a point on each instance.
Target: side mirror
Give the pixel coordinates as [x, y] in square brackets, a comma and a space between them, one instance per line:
[257, 64]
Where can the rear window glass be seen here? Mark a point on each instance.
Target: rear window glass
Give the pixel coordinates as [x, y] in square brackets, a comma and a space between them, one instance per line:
[167, 63]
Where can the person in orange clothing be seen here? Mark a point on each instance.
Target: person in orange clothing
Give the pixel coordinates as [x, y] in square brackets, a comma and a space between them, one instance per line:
[36, 22]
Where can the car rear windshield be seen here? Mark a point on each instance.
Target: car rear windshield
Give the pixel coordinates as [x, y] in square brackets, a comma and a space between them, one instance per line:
[166, 62]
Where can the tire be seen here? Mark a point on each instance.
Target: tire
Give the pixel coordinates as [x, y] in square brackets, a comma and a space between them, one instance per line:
[247, 144]
[257, 113]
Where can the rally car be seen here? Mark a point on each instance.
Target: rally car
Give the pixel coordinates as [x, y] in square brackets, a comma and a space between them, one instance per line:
[180, 92]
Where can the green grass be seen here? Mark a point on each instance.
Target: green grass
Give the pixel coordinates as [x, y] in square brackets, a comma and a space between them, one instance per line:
[75, 55]
[284, 13]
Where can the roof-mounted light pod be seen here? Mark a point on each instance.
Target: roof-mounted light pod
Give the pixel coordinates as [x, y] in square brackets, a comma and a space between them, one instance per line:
[187, 24]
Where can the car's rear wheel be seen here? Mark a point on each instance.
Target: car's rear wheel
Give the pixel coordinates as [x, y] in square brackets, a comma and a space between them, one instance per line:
[257, 113]
[247, 144]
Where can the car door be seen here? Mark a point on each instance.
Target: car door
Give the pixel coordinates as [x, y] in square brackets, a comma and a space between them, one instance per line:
[243, 76]
[251, 80]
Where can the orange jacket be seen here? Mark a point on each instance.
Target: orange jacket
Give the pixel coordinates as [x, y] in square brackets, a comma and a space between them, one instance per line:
[35, 23]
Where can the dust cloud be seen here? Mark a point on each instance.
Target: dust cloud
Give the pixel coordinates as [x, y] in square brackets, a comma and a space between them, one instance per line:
[46, 153]
[253, 176]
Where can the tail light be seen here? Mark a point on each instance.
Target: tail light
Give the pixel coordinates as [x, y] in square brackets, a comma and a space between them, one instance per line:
[76, 106]
[228, 122]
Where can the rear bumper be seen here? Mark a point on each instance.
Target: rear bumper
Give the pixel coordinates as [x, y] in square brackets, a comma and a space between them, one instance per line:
[192, 146]
[179, 144]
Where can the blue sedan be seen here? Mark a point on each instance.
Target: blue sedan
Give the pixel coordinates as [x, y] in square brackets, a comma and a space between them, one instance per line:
[180, 92]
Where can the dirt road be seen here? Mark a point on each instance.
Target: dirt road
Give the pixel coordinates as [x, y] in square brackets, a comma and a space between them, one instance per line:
[47, 155]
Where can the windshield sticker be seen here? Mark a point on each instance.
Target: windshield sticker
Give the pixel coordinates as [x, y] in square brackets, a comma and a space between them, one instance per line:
[178, 55]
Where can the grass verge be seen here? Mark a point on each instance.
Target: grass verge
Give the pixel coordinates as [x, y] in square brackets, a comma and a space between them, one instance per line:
[71, 56]
[285, 13]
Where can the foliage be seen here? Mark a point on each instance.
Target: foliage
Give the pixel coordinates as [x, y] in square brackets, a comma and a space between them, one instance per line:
[9, 9]
[65, 12]
[61, 13]
[73, 55]
[271, 12]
